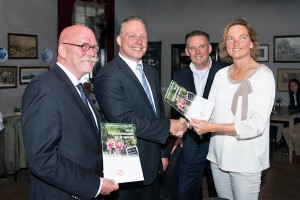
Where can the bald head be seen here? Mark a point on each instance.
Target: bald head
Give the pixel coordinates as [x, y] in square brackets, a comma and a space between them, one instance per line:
[71, 53]
[72, 33]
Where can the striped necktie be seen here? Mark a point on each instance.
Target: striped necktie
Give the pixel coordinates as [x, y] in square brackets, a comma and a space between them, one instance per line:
[145, 86]
[94, 121]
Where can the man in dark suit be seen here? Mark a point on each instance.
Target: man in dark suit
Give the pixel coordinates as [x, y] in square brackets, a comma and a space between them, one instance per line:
[120, 87]
[61, 134]
[196, 78]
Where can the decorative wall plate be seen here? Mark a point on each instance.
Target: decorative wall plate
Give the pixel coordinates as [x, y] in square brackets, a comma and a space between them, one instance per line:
[3, 54]
[47, 55]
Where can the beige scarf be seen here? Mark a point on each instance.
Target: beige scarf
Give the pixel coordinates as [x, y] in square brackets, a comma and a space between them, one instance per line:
[243, 90]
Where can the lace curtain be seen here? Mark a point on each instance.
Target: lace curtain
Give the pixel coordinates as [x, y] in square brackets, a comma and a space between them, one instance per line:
[91, 14]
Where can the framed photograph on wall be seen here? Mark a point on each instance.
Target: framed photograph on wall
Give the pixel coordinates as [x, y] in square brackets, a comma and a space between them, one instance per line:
[215, 52]
[263, 53]
[152, 56]
[8, 77]
[287, 48]
[179, 58]
[284, 75]
[28, 73]
[22, 46]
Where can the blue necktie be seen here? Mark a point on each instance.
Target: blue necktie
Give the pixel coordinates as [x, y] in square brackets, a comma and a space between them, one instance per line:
[85, 102]
[145, 86]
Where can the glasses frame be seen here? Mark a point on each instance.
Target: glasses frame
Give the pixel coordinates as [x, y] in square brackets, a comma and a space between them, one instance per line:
[94, 48]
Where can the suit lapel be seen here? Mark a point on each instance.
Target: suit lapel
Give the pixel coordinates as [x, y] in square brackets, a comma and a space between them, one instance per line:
[123, 65]
[71, 88]
[190, 81]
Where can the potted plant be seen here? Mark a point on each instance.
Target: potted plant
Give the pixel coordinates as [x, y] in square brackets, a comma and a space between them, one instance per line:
[278, 102]
[17, 110]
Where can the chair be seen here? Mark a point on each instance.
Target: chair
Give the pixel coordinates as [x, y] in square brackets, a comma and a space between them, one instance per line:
[273, 135]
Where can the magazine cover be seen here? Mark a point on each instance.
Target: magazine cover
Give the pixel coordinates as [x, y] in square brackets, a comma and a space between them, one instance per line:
[187, 103]
[121, 159]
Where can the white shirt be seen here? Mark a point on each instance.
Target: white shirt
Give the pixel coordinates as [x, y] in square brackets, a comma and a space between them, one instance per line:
[200, 77]
[249, 151]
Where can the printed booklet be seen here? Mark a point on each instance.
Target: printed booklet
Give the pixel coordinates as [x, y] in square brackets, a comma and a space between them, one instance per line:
[121, 159]
[187, 103]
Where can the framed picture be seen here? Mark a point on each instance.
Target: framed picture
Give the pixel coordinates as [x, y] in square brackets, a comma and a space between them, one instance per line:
[8, 77]
[263, 53]
[287, 48]
[179, 58]
[215, 52]
[22, 46]
[28, 73]
[284, 75]
[152, 56]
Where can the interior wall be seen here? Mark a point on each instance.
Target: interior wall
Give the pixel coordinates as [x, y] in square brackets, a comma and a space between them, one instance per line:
[35, 17]
[169, 20]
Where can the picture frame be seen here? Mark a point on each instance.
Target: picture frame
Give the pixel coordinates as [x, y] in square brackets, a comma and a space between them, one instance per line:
[284, 75]
[28, 73]
[179, 59]
[215, 52]
[263, 53]
[286, 48]
[22, 46]
[8, 77]
[152, 57]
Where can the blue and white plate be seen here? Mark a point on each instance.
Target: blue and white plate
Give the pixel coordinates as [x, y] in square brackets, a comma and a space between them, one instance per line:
[3, 54]
[47, 55]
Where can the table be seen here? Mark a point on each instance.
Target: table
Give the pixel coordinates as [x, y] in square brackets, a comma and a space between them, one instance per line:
[290, 119]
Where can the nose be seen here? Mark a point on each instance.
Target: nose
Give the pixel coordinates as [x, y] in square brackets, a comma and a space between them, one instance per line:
[139, 40]
[235, 41]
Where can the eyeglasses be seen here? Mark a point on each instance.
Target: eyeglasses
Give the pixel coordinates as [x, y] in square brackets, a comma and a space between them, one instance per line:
[85, 47]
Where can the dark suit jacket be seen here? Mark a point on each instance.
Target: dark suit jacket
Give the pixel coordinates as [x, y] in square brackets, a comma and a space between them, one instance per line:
[292, 102]
[123, 100]
[62, 147]
[184, 77]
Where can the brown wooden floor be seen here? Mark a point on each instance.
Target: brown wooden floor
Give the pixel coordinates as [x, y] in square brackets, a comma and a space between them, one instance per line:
[285, 183]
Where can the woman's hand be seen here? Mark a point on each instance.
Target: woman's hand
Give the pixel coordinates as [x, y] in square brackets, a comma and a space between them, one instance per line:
[200, 126]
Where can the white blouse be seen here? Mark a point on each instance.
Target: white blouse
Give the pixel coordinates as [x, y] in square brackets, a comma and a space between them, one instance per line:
[249, 150]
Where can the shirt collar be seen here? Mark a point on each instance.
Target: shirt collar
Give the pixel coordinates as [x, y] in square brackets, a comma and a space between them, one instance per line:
[130, 63]
[71, 76]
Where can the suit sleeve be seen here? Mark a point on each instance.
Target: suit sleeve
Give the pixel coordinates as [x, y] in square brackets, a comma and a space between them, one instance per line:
[121, 102]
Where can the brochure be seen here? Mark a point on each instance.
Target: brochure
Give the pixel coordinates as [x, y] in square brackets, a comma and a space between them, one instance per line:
[187, 103]
[121, 159]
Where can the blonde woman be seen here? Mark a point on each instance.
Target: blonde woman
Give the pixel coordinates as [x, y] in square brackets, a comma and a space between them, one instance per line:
[243, 94]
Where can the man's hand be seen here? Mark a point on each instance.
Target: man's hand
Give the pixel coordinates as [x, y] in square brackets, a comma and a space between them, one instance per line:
[165, 163]
[108, 186]
[178, 127]
[178, 142]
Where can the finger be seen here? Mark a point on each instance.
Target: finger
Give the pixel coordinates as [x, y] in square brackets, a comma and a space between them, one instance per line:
[113, 182]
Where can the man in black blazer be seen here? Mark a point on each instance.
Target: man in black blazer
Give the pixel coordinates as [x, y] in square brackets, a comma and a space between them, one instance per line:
[61, 135]
[123, 100]
[196, 78]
